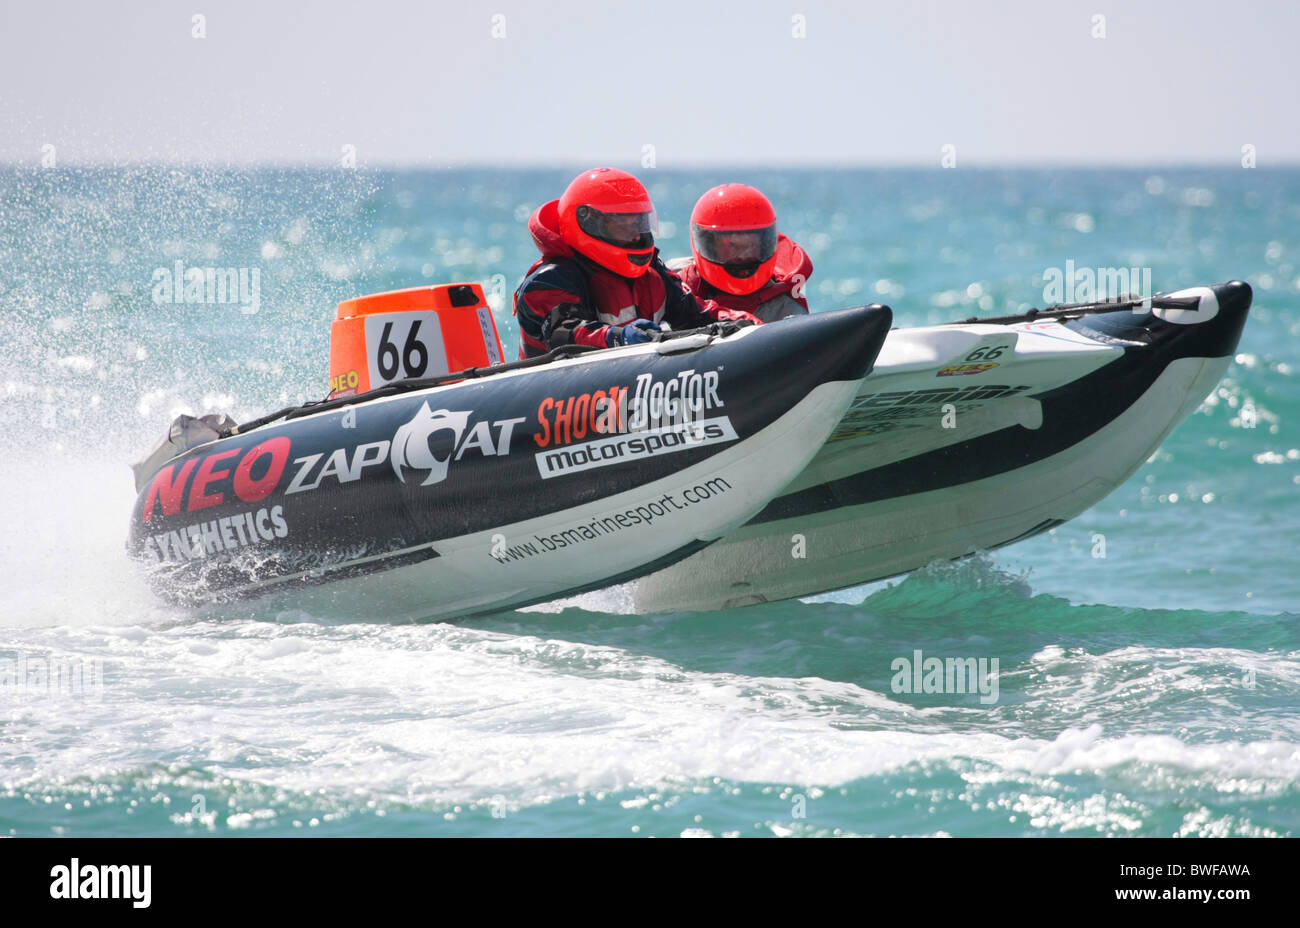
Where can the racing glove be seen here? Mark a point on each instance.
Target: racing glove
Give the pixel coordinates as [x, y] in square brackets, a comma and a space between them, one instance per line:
[643, 330]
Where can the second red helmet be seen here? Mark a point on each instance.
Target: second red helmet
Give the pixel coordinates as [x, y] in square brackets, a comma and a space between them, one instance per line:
[606, 215]
[734, 237]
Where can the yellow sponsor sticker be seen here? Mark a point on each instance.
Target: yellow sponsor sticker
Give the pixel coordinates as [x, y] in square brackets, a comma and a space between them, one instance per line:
[959, 369]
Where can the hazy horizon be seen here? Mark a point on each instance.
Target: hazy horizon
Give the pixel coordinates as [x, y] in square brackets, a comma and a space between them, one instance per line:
[575, 165]
[572, 84]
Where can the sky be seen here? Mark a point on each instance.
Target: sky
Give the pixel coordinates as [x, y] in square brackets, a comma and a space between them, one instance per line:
[681, 83]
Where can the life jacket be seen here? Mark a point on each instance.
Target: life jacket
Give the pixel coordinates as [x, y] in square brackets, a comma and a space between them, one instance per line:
[782, 296]
[616, 300]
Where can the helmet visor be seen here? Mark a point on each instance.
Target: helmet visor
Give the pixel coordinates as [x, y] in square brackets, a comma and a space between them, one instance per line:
[623, 230]
[740, 251]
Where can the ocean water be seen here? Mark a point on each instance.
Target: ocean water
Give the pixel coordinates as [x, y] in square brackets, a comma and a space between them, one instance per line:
[1155, 691]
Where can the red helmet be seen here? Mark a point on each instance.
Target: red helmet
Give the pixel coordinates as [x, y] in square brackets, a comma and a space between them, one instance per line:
[733, 238]
[606, 215]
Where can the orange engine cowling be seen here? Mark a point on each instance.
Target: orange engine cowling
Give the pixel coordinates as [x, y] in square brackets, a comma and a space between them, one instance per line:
[401, 334]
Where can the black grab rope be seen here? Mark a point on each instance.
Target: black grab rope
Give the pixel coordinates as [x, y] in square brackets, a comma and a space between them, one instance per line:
[1086, 309]
[397, 387]
[405, 386]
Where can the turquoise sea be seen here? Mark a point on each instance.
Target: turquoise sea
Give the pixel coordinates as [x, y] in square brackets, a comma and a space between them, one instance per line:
[1155, 691]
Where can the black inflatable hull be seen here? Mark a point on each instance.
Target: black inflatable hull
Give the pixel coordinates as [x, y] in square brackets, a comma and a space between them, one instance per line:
[530, 483]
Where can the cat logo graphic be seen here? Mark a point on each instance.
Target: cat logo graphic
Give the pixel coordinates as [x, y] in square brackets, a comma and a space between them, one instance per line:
[432, 440]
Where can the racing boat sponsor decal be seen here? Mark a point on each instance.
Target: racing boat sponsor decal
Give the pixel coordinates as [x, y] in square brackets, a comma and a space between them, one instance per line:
[884, 412]
[252, 479]
[599, 527]
[426, 446]
[960, 369]
[563, 420]
[488, 327]
[650, 403]
[620, 449]
[344, 384]
[931, 398]
[345, 465]
[654, 416]
[684, 397]
[229, 533]
[432, 440]
[429, 442]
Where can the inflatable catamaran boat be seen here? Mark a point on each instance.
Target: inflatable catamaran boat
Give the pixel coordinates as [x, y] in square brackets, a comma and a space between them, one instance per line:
[969, 437]
[437, 482]
[486, 489]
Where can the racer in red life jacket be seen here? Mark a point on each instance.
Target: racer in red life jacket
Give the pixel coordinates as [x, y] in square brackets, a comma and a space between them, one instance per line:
[740, 260]
[600, 280]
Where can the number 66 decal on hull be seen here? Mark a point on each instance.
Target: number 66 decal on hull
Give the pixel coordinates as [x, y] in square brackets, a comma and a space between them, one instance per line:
[404, 334]
[399, 345]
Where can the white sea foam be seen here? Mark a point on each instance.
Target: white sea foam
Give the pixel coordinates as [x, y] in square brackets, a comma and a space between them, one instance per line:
[439, 714]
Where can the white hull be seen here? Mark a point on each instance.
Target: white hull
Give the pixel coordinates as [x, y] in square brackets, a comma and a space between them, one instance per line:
[861, 543]
[962, 476]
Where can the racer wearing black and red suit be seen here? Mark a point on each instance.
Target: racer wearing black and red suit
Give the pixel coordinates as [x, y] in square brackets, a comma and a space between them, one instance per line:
[600, 280]
[740, 260]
